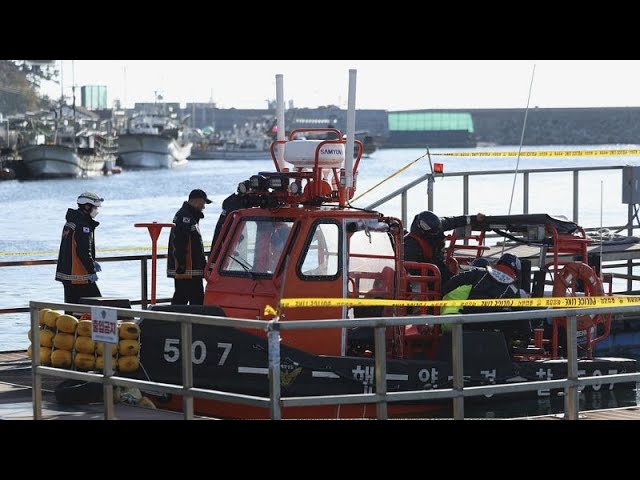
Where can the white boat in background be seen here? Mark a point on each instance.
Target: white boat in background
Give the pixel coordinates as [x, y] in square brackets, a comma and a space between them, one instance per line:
[51, 161]
[153, 141]
[144, 150]
[68, 154]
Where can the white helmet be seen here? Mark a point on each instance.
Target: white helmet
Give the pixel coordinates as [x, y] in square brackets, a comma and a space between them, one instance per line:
[90, 198]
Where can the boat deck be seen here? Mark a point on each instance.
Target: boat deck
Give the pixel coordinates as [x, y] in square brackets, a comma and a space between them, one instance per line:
[611, 252]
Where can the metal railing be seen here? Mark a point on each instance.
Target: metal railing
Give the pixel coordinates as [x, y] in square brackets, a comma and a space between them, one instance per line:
[526, 173]
[275, 402]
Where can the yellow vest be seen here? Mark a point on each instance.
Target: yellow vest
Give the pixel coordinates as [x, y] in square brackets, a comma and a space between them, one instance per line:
[460, 293]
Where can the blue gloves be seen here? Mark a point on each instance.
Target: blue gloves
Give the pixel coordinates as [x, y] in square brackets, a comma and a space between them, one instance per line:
[93, 278]
[97, 266]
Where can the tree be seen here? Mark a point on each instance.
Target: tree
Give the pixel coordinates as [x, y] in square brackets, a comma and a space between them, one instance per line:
[19, 83]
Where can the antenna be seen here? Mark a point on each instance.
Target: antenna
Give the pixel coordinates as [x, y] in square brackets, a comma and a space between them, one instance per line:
[280, 134]
[524, 127]
[351, 129]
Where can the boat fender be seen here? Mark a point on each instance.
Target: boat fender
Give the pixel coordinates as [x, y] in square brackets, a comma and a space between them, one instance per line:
[129, 347]
[41, 315]
[84, 328]
[50, 318]
[63, 341]
[100, 349]
[302, 154]
[129, 331]
[45, 355]
[61, 358]
[128, 364]
[67, 323]
[84, 361]
[46, 338]
[85, 345]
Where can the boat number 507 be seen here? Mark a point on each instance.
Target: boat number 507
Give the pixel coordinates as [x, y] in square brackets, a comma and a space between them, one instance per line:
[198, 351]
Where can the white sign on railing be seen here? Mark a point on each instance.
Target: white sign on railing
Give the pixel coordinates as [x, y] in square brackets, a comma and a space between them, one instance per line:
[104, 325]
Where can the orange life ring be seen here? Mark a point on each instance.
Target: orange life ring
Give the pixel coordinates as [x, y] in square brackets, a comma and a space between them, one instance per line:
[567, 279]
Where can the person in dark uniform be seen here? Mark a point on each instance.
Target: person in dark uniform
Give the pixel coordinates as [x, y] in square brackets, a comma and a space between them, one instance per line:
[77, 268]
[231, 203]
[425, 241]
[490, 282]
[186, 260]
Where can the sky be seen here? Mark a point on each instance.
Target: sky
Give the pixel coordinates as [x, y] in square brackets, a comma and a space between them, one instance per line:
[384, 84]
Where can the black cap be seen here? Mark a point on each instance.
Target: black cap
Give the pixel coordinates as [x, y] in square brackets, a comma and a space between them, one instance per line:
[197, 193]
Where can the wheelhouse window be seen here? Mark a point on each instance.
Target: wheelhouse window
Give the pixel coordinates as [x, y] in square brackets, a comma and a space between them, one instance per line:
[321, 260]
[371, 260]
[257, 247]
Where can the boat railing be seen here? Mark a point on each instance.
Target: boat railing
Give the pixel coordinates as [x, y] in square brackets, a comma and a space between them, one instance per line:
[526, 174]
[144, 276]
[275, 402]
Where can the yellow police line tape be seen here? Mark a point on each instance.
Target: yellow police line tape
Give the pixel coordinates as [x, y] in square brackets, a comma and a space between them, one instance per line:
[554, 302]
[98, 252]
[555, 153]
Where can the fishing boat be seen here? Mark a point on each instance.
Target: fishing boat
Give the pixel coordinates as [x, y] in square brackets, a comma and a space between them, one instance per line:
[70, 153]
[153, 140]
[339, 252]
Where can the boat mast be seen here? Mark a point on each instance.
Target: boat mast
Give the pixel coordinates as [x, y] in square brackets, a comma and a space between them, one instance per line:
[280, 119]
[73, 104]
[351, 128]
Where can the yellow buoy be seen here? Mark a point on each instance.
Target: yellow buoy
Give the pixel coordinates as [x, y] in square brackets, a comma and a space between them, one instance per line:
[67, 323]
[100, 349]
[128, 364]
[100, 363]
[129, 347]
[63, 341]
[45, 355]
[46, 337]
[129, 330]
[84, 361]
[50, 318]
[84, 328]
[85, 345]
[61, 359]
[41, 315]
[29, 334]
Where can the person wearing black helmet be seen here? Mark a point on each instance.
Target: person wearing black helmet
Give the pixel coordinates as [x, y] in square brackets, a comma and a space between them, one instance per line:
[77, 267]
[186, 260]
[425, 240]
[480, 262]
[498, 281]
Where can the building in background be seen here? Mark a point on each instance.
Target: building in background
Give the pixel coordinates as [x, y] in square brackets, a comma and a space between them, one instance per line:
[94, 97]
[417, 129]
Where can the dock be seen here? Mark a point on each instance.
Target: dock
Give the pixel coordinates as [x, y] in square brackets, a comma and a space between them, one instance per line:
[16, 400]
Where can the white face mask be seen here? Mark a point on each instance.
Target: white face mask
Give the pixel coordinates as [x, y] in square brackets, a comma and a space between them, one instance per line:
[94, 212]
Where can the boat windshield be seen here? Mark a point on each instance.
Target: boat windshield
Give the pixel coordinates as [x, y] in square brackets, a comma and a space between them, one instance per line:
[257, 246]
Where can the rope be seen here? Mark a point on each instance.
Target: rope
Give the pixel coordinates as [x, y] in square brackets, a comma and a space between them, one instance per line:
[105, 250]
[390, 176]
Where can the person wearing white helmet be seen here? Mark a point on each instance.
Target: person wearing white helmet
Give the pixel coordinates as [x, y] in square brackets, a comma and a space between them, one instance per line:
[77, 268]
